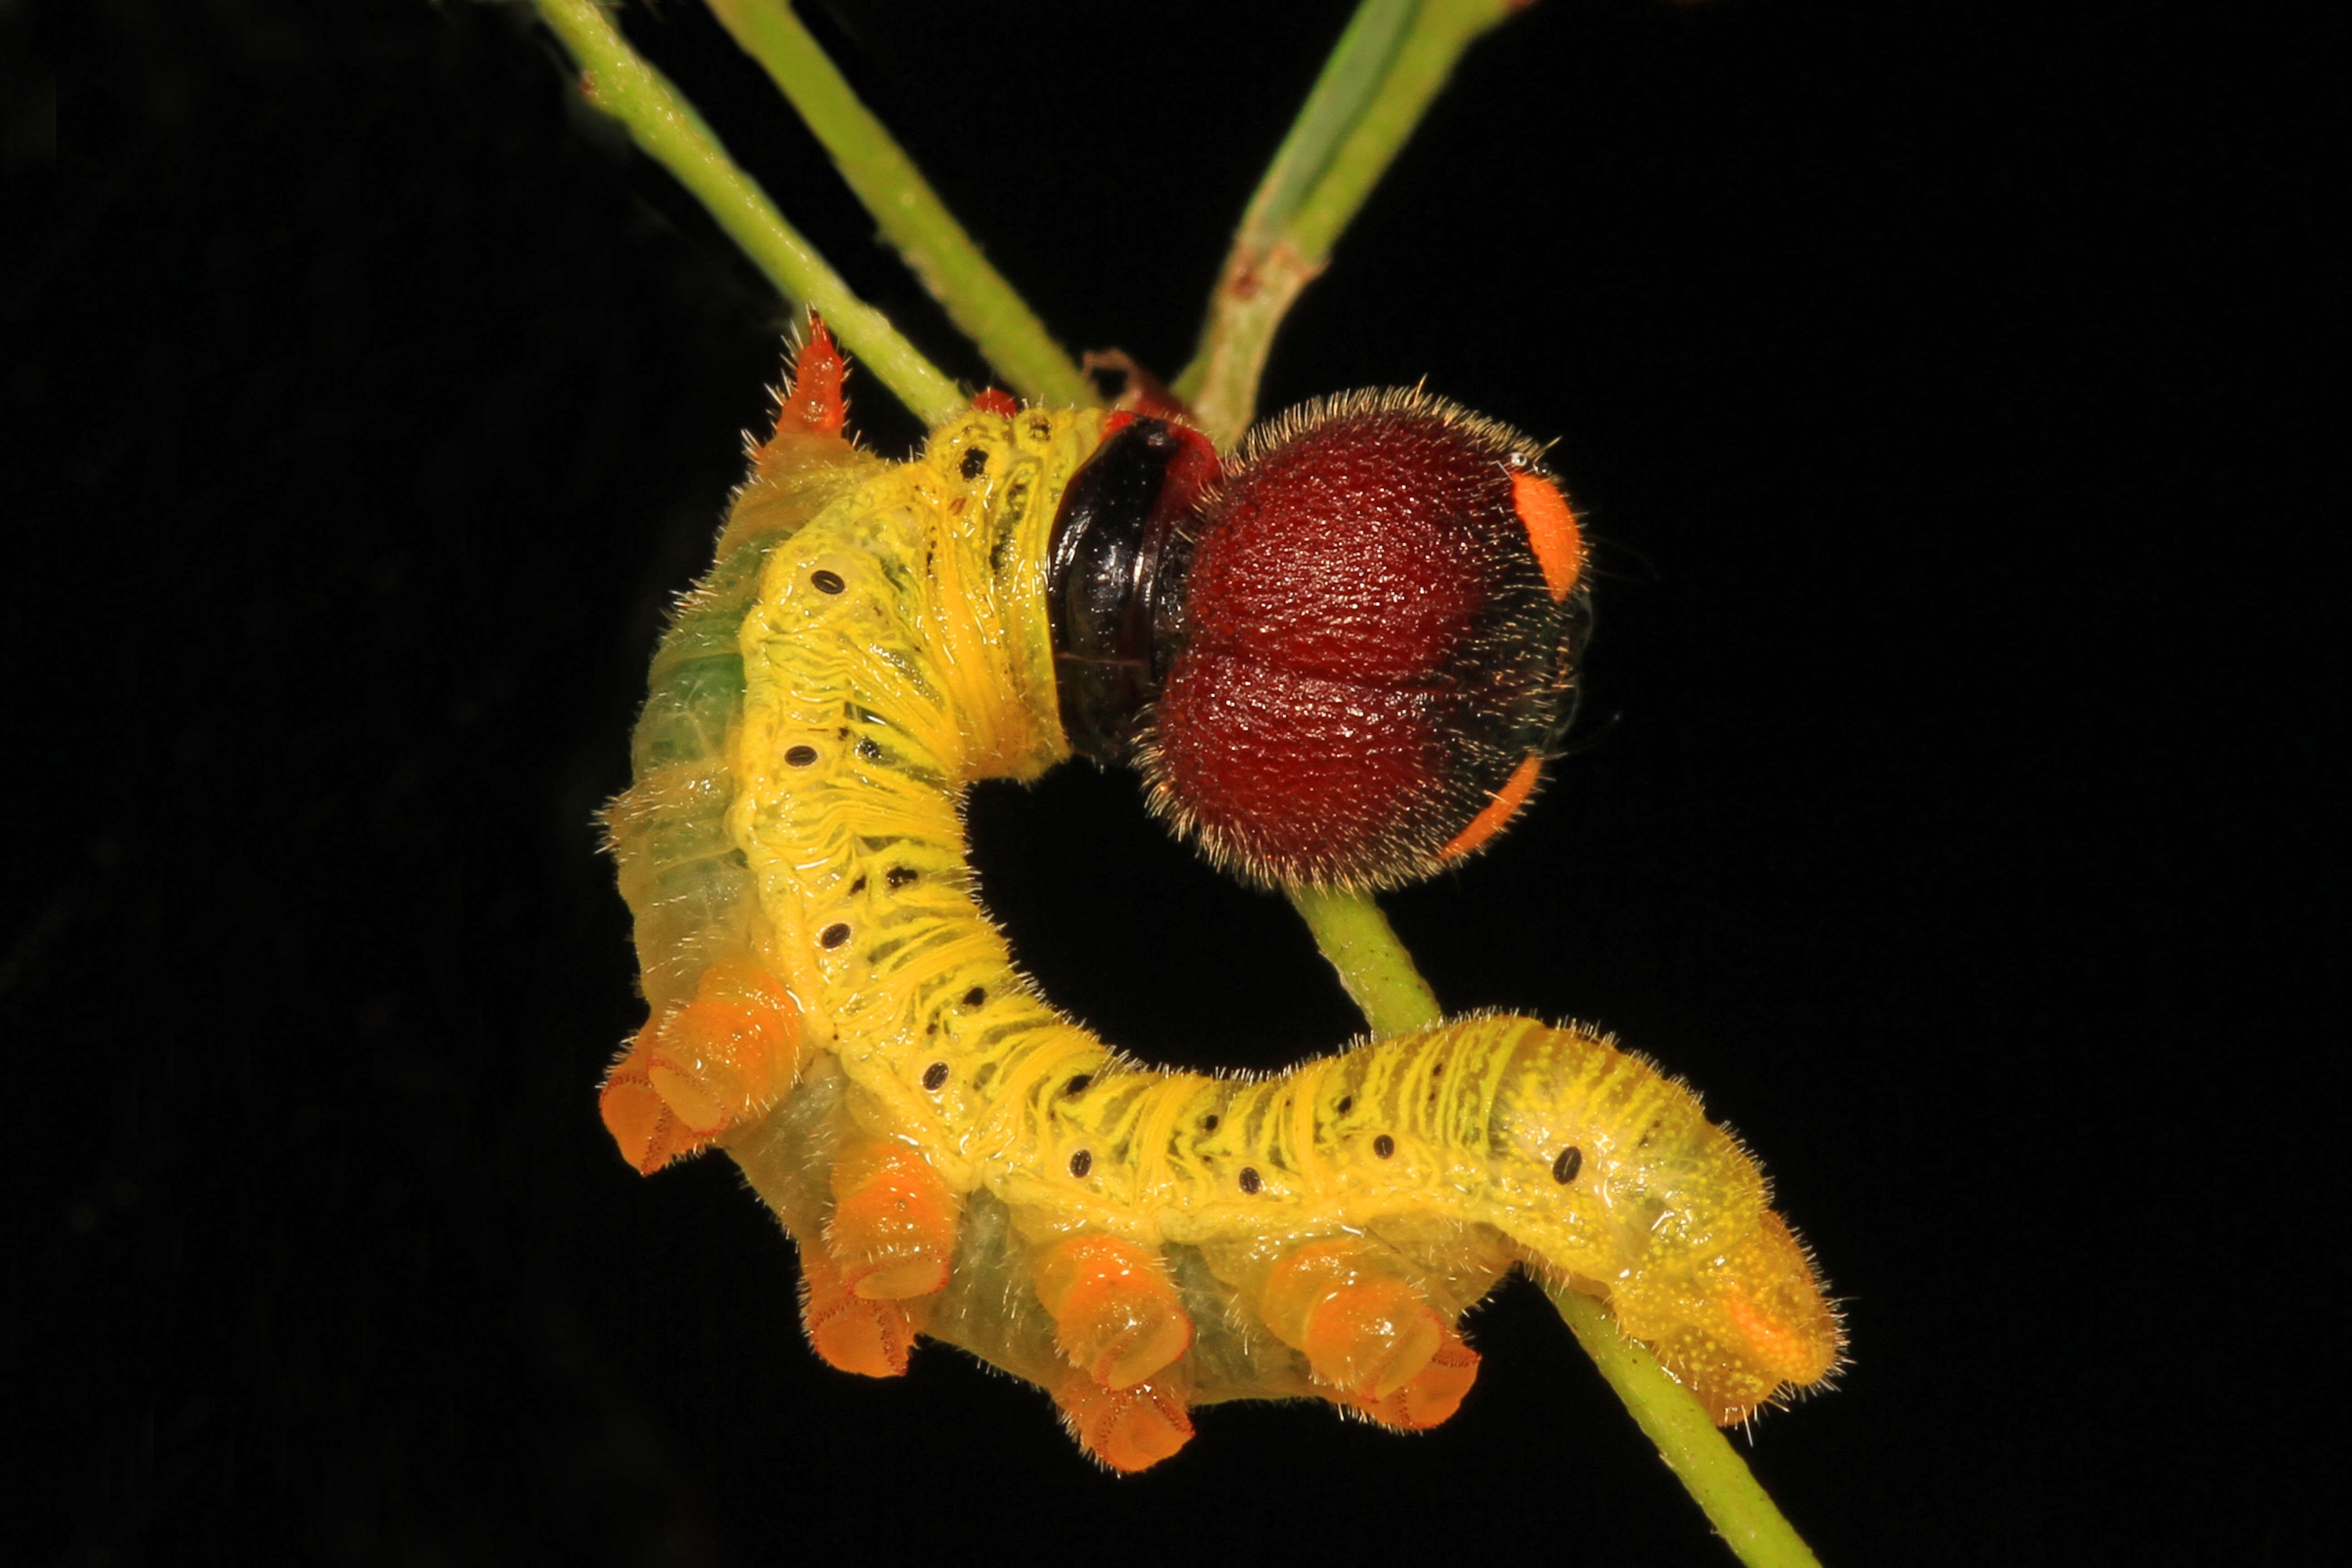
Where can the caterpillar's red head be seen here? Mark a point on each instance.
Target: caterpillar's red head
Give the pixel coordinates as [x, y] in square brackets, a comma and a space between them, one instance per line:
[1355, 647]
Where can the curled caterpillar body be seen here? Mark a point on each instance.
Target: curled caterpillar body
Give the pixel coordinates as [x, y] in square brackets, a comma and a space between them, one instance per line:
[953, 1158]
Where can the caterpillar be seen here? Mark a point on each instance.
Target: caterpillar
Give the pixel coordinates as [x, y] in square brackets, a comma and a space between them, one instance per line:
[1338, 656]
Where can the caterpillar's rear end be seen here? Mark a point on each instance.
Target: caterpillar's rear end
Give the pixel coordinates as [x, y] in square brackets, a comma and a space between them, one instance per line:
[1609, 1179]
[956, 1161]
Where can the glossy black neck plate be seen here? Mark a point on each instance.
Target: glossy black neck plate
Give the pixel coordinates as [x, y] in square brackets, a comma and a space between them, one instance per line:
[1108, 573]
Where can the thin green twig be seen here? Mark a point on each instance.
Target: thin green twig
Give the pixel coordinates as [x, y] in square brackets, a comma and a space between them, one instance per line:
[1425, 62]
[1350, 80]
[911, 216]
[1374, 968]
[1373, 90]
[1700, 1455]
[618, 80]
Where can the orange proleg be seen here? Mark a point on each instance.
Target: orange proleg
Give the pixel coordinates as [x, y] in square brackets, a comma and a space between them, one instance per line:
[1368, 1333]
[893, 1229]
[704, 1067]
[850, 1333]
[1116, 1316]
[1128, 1429]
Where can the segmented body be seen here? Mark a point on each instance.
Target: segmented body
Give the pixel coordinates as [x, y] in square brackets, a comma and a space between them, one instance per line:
[874, 639]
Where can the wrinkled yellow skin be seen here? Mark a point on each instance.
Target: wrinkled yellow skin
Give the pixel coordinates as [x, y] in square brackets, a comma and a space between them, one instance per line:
[891, 619]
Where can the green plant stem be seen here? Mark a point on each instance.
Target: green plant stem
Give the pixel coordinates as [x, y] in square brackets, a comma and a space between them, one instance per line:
[1373, 90]
[1425, 62]
[1700, 1455]
[1374, 968]
[1350, 78]
[911, 216]
[619, 81]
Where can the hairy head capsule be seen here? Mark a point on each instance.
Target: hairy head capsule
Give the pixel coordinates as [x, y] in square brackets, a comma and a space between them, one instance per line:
[1382, 604]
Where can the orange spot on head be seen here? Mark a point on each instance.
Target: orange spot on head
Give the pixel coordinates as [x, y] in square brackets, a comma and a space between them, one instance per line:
[992, 401]
[1551, 529]
[1499, 810]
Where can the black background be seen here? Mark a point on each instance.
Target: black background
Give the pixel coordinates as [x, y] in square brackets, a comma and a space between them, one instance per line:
[1927, 381]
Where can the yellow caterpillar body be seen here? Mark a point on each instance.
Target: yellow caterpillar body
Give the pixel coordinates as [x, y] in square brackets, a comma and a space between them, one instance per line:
[954, 1158]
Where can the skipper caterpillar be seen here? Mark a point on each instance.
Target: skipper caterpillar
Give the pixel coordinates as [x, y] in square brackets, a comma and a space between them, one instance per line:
[1340, 659]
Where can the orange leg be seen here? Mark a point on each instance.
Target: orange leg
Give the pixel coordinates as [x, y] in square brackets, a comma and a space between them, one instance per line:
[1130, 1428]
[1118, 1320]
[1431, 1396]
[872, 1339]
[869, 1290]
[1116, 1316]
[893, 1231]
[705, 1067]
[1368, 1334]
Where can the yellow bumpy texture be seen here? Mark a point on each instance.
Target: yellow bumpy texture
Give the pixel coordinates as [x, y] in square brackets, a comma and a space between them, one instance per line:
[957, 1160]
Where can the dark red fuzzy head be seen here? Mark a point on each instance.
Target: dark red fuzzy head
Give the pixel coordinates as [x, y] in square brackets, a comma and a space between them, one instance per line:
[1376, 645]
